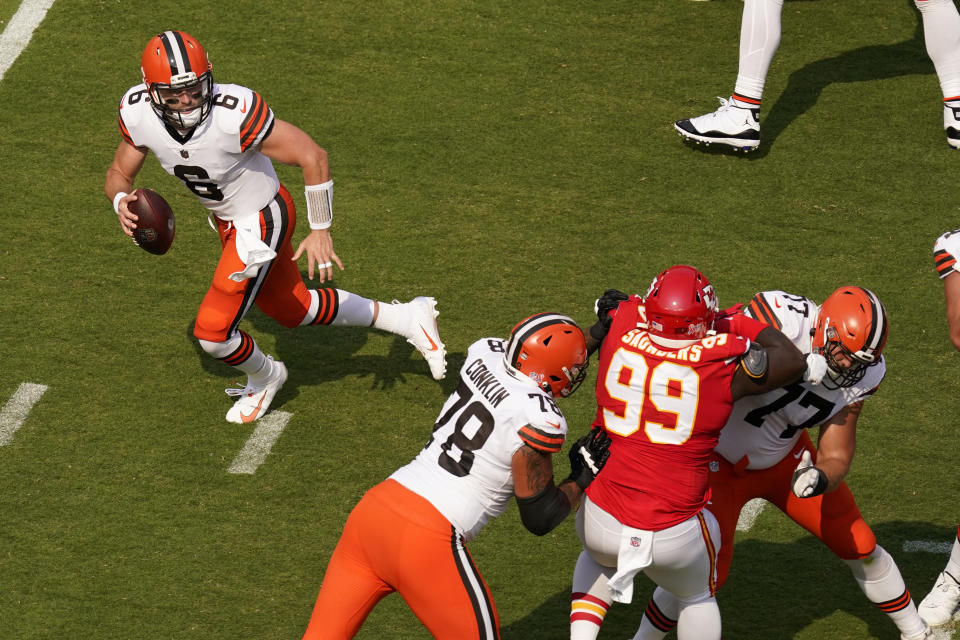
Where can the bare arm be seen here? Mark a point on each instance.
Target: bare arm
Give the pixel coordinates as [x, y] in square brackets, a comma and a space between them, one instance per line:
[543, 505]
[786, 364]
[837, 444]
[127, 162]
[951, 290]
[290, 145]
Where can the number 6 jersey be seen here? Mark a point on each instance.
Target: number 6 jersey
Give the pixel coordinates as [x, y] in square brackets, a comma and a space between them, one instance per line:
[465, 469]
[765, 427]
[218, 160]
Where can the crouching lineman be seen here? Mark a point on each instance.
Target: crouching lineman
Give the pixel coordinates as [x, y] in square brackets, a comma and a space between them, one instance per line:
[764, 450]
[670, 368]
[494, 439]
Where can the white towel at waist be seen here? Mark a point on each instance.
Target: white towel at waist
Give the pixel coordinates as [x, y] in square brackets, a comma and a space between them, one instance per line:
[250, 249]
[635, 554]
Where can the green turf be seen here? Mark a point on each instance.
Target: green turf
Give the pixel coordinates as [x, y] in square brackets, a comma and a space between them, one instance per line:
[506, 158]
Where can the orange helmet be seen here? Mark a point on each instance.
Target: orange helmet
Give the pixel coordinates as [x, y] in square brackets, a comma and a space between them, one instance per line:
[549, 348]
[175, 60]
[853, 323]
[680, 304]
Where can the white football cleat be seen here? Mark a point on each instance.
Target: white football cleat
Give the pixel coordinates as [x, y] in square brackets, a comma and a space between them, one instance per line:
[255, 402]
[951, 123]
[938, 607]
[423, 334]
[730, 125]
[927, 635]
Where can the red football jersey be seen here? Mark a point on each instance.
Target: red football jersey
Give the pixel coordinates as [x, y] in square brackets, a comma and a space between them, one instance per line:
[663, 409]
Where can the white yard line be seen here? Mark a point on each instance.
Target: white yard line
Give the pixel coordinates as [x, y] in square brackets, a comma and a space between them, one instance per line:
[258, 446]
[16, 36]
[18, 406]
[927, 546]
[749, 513]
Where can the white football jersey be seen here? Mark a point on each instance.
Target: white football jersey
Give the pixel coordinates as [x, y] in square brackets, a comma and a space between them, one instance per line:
[945, 253]
[765, 427]
[465, 469]
[218, 160]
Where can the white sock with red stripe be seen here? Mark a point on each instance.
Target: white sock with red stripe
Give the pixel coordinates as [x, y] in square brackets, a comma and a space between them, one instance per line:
[591, 599]
[759, 39]
[941, 34]
[880, 579]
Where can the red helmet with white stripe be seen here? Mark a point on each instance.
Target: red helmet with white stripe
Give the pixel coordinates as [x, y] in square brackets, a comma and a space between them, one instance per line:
[172, 63]
[550, 349]
[850, 332]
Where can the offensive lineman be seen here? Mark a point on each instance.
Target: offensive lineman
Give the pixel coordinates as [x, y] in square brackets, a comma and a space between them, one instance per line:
[764, 450]
[670, 368]
[494, 438]
[221, 141]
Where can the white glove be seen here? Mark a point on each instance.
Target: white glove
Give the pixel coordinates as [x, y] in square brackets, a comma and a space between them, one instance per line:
[816, 368]
[808, 481]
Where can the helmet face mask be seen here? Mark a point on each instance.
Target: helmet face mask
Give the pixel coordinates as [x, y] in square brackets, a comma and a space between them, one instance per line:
[175, 66]
[550, 349]
[680, 306]
[850, 333]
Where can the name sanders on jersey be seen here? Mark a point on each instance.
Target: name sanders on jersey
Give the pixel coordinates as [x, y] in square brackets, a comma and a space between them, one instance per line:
[486, 383]
[640, 339]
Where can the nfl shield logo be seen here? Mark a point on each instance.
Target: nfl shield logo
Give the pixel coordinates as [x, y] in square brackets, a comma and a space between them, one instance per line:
[714, 466]
[635, 541]
[184, 154]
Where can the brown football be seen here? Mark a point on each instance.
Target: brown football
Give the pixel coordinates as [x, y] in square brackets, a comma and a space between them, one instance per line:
[155, 224]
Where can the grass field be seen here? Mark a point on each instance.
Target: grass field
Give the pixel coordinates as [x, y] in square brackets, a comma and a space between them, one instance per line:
[506, 158]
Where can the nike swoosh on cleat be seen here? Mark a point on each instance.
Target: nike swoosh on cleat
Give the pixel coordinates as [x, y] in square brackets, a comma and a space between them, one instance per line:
[433, 345]
[250, 417]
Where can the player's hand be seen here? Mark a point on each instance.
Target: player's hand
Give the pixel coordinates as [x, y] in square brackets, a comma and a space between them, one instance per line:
[816, 368]
[808, 481]
[128, 219]
[587, 457]
[318, 245]
[606, 303]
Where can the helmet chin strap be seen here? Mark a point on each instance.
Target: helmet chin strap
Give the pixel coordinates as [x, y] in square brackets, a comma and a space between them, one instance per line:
[671, 343]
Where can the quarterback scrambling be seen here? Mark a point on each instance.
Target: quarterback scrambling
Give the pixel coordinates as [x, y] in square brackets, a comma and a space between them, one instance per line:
[764, 450]
[221, 141]
[494, 439]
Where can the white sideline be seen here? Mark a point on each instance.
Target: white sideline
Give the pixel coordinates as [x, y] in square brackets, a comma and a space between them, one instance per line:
[18, 406]
[749, 513]
[19, 30]
[258, 446]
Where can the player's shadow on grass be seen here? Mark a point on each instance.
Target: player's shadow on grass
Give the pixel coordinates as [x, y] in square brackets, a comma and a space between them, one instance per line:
[775, 590]
[315, 355]
[875, 62]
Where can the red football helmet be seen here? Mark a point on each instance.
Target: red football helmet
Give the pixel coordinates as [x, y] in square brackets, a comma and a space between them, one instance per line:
[851, 323]
[680, 304]
[550, 349]
[173, 62]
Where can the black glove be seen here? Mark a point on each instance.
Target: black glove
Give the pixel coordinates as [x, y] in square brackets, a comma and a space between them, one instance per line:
[587, 457]
[606, 303]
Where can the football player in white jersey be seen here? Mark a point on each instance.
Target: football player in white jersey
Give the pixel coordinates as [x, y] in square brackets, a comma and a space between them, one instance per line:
[764, 450]
[221, 140]
[493, 440]
[938, 607]
[736, 123]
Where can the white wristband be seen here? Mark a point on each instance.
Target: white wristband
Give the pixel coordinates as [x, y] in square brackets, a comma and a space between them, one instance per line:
[319, 204]
[116, 201]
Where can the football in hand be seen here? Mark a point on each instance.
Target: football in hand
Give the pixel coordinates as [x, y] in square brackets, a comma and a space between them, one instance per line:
[155, 225]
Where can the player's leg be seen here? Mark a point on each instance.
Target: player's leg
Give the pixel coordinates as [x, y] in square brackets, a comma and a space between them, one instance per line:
[434, 572]
[353, 584]
[287, 299]
[835, 519]
[939, 605]
[941, 34]
[736, 123]
[684, 563]
[216, 329]
[590, 599]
